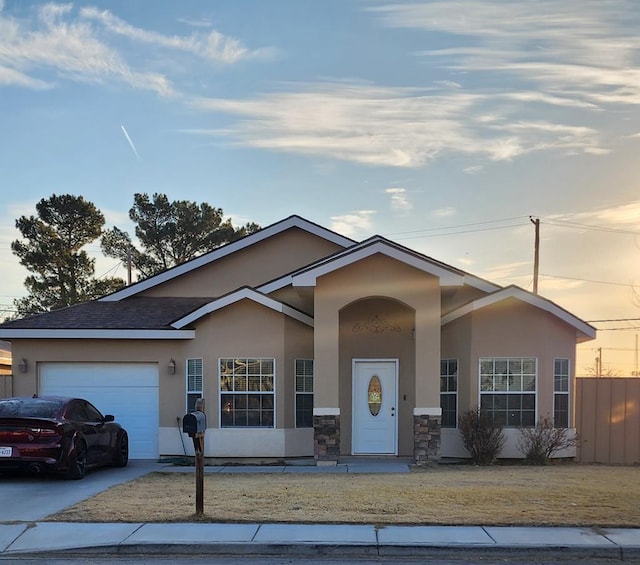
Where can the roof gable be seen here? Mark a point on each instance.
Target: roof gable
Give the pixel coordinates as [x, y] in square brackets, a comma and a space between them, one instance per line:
[584, 331]
[228, 249]
[245, 293]
[376, 245]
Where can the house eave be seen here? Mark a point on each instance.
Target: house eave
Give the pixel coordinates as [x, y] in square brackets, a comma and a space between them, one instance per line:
[309, 277]
[584, 331]
[96, 334]
[228, 249]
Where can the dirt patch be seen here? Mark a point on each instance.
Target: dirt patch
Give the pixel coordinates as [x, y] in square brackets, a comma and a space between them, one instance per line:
[559, 495]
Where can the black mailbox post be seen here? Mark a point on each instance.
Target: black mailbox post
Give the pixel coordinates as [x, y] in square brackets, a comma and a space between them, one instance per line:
[195, 424]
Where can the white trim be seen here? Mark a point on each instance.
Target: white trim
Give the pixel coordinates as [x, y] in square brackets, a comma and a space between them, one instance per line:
[585, 331]
[563, 392]
[276, 284]
[309, 276]
[228, 249]
[96, 334]
[186, 380]
[449, 393]
[237, 392]
[506, 392]
[241, 294]
[296, 392]
[428, 412]
[480, 284]
[326, 411]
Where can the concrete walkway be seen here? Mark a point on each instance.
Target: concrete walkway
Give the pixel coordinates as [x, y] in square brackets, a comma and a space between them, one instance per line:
[50, 538]
[20, 535]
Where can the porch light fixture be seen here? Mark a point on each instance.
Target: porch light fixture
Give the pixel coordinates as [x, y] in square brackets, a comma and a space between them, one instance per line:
[171, 367]
[23, 365]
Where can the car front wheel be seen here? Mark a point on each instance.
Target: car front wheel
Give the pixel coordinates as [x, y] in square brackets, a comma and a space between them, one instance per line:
[121, 456]
[78, 466]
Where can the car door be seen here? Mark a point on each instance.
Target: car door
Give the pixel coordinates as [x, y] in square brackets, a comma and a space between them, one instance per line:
[102, 432]
[77, 414]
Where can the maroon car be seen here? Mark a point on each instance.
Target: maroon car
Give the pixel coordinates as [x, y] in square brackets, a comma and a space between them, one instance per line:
[62, 435]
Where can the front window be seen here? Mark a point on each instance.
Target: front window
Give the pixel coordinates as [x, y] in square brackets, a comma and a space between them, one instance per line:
[304, 393]
[194, 382]
[508, 390]
[561, 393]
[247, 392]
[449, 392]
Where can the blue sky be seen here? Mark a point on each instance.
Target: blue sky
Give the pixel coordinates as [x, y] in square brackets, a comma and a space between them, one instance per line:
[441, 125]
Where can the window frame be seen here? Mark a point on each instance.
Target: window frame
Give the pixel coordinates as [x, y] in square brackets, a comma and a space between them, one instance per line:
[246, 392]
[507, 392]
[298, 393]
[450, 393]
[562, 393]
[194, 391]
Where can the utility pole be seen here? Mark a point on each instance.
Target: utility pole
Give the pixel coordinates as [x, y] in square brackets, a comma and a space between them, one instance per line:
[536, 259]
[129, 266]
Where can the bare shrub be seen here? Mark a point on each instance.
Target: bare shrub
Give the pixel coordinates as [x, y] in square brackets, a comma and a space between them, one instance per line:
[539, 444]
[482, 437]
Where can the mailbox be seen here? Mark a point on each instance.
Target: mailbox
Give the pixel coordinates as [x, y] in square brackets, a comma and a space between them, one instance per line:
[194, 423]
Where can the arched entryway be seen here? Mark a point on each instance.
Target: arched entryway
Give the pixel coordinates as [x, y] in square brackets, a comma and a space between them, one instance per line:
[377, 357]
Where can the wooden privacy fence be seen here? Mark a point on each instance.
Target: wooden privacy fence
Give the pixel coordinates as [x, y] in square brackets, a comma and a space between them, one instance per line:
[608, 420]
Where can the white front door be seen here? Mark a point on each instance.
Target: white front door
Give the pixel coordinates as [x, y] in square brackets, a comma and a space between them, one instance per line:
[375, 396]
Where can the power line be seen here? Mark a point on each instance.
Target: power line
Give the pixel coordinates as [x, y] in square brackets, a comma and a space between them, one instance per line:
[576, 225]
[456, 227]
[614, 320]
[461, 232]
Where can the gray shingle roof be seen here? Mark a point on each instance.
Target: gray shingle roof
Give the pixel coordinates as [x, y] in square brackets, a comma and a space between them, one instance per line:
[136, 313]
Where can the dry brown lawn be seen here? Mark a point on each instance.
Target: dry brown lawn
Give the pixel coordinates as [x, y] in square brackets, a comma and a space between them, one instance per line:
[559, 495]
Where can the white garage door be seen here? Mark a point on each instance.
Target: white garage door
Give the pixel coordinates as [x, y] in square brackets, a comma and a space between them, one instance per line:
[129, 391]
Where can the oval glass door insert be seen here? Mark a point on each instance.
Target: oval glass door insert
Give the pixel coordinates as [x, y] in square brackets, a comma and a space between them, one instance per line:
[374, 395]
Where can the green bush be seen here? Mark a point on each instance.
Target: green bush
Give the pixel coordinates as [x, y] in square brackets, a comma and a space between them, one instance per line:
[482, 437]
[540, 443]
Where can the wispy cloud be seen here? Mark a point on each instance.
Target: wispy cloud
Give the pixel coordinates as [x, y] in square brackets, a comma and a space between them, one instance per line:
[577, 49]
[624, 215]
[213, 46]
[70, 48]
[444, 212]
[399, 199]
[353, 224]
[399, 127]
[60, 43]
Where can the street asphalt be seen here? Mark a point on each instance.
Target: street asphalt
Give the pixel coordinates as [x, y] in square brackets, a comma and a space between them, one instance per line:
[26, 502]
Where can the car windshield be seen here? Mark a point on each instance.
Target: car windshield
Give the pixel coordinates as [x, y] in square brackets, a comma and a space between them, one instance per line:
[29, 408]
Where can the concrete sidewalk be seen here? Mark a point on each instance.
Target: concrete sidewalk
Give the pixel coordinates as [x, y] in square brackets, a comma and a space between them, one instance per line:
[45, 538]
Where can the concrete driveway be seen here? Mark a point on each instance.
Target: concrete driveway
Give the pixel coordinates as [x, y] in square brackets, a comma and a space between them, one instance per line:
[25, 498]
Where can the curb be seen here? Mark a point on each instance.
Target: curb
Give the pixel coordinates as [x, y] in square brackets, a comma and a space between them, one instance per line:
[462, 553]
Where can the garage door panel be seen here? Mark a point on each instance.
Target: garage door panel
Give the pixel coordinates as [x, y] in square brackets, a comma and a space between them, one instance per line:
[129, 391]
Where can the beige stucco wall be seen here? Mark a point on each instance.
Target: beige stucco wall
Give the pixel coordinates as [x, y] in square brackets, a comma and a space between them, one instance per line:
[247, 329]
[394, 340]
[92, 351]
[338, 297]
[244, 329]
[510, 328]
[255, 265]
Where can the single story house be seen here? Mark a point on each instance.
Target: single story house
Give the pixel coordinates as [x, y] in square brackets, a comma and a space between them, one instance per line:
[303, 342]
